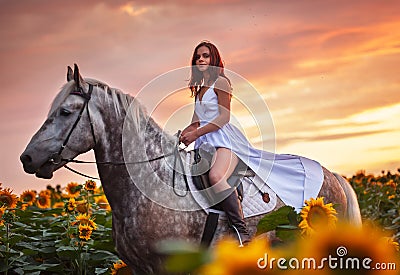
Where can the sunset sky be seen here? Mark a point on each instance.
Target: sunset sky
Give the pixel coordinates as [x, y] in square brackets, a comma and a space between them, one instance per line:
[328, 70]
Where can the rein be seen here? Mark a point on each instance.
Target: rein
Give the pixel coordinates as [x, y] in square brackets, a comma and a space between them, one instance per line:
[57, 158]
[175, 153]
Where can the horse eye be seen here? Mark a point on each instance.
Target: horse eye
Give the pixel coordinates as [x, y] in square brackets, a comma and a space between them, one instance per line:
[64, 112]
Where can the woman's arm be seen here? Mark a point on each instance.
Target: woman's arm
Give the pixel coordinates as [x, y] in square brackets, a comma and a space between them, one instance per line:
[192, 126]
[223, 91]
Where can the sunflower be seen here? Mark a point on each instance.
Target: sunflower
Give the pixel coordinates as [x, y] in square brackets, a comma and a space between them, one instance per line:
[317, 215]
[391, 197]
[7, 198]
[45, 193]
[118, 267]
[102, 202]
[24, 206]
[73, 189]
[90, 185]
[351, 247]
[2, 211]
[70, 205]
[392, 243]
[58, 204]
[43, 201]
[230, 259]
[85, 219]
[82, 207]
[28, 197]
[85, 231]
[391, 183]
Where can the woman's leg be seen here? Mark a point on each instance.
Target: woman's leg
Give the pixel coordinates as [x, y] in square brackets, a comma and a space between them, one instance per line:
[223, 165]
[222, 168]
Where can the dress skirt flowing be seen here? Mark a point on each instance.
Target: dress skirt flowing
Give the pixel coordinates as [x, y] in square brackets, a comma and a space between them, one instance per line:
[293, 178]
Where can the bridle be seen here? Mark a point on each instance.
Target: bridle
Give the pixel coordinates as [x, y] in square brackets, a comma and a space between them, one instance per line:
[57, 157]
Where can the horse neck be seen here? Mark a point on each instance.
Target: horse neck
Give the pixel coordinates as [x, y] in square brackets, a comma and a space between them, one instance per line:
[131, 138]
[129, 135]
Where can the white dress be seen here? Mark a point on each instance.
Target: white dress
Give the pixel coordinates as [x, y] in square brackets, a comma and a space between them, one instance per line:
[293, 178]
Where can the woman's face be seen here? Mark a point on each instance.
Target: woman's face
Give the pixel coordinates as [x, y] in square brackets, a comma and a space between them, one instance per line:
[203, 58]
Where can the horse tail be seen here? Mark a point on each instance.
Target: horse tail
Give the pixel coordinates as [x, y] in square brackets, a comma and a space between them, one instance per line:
[353, 214]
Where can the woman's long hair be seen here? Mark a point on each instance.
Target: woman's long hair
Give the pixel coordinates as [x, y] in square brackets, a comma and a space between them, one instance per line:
[216, 68]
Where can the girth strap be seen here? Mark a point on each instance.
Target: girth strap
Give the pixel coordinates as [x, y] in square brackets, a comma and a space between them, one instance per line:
[209, 228]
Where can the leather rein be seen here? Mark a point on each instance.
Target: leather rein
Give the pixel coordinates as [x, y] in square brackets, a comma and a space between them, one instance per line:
[57, 158]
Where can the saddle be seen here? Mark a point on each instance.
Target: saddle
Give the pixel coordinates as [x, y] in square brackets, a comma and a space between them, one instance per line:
[200, 164]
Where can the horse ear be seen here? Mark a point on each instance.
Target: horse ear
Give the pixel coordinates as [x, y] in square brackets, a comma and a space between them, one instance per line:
[77, 76]
[70, 74]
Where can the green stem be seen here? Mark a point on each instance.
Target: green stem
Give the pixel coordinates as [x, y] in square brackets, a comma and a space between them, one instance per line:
[7, 245]
[87, 202]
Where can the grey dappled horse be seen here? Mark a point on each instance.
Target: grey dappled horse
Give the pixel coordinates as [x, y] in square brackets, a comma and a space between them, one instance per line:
[87, 114]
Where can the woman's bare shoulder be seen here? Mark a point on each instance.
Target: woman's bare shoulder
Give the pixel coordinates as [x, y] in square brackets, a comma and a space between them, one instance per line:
[222, 84]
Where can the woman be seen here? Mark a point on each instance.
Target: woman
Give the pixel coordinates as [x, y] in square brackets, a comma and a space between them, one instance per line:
[293, 178]
[208, 77]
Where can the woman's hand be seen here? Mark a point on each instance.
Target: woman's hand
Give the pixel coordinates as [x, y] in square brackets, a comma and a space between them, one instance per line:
[189, 137]
[188, 129]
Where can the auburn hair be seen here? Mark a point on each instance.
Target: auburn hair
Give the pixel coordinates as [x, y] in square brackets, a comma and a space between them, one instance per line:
[216, 68]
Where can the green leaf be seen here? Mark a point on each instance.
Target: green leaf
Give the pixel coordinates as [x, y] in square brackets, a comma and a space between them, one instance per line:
[287, 233]
[100, 255]
[186, 262]
[279, 217]
[287, 227]
[4, 268]
[99, 271]
[392, 227]
[48, 249]
[67, 252]
[42, 267]
[20, 224]
[29, 252]
[15, 239]
[182, 256]
[19, 271]
[396, 220]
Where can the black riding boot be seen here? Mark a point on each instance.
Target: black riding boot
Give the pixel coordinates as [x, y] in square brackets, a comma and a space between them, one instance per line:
[232, 207]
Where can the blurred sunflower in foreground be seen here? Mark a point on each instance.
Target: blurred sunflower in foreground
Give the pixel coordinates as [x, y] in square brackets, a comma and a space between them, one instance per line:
[353, 250]
[316, 215]
[230, 259]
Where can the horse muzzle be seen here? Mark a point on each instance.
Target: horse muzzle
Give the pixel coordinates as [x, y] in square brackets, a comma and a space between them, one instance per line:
[41, 170]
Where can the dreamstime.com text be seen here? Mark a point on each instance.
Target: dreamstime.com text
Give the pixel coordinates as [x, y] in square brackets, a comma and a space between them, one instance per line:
[338, 261]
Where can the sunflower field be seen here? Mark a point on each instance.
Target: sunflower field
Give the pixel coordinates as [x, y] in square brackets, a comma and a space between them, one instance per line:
[57, 231]
[68, 231]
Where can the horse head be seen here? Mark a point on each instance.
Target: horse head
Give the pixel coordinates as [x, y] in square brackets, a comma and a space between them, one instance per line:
[67, 131]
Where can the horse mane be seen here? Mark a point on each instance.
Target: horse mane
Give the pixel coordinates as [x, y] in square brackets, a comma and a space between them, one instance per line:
[119, 100]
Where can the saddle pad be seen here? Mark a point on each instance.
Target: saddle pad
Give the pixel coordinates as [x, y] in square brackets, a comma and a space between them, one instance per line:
[252, 204]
